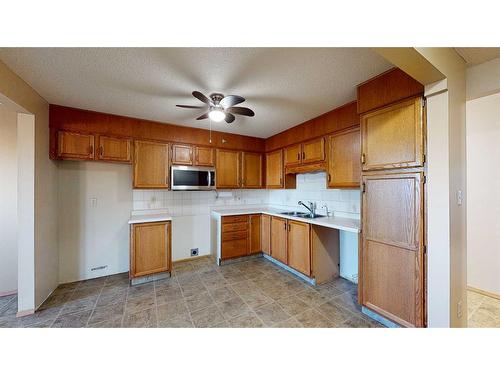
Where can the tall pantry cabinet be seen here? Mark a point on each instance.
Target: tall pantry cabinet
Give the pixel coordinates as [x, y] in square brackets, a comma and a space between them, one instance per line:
[392, 251]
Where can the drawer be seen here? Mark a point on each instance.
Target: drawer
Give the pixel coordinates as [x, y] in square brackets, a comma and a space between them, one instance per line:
[234, 236]
[234, 219]
[235, 248]
[234, 227]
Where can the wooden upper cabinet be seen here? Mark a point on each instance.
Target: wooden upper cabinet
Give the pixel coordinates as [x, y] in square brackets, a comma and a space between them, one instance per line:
[392, 260]
[228, 169]
[75, 146]
[278, 239]
[344, 159]
[204, 156]
[274, 170]
[151, 165]
[150, 248]
[393, 137]
[265, 236]
[299, 246]
[255, 245]
[251, 170]
[293, 155]
[182, 154]
[114, 149]
[313, 151]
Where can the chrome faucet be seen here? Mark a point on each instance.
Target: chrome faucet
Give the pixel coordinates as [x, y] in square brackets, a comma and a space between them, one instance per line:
[311, 207]
[326, 210]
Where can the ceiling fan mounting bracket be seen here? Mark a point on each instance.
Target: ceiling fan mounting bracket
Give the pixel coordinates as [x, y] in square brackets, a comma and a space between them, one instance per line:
[216, 97]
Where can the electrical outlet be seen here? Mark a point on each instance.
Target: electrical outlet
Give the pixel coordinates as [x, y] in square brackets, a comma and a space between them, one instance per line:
[459, 309]
[194, 252]
[460, 197]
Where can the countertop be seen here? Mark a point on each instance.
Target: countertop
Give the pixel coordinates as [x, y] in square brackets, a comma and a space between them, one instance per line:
[335, 222]
[149, 218]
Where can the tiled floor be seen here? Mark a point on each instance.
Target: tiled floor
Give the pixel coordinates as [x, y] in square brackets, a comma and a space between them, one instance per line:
[484, 312]
[253, 293]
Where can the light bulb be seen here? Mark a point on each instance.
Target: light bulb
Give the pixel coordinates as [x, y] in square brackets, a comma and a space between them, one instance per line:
[216, 115]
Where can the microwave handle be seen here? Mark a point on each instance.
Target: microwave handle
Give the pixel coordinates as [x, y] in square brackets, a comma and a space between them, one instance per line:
[209, 177]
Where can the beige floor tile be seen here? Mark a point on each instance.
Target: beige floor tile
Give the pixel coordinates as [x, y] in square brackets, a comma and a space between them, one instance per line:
[141, 319]
[199, 301]
[141, 302]
[289, 323]
[73, 320]
[222, 294]
[247, 320]
[207, 317]
[110, 312]
[293, 305]
[255, 298]
[335, 313]
[233, 308]
[183, 321]
[172, 310]
[313, 298]
[314, 319]
[271, 314]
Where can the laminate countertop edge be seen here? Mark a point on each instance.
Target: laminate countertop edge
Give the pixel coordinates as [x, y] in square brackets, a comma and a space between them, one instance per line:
[153, 218]
[334, 222]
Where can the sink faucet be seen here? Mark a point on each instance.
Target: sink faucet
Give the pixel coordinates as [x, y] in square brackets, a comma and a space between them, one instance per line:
[311, 207]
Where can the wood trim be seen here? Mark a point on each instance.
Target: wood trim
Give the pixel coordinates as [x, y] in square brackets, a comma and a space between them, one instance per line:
[305, 168]
[338, 119]
[484, 292]
[386, 88]
[10, 293]
[91, 122]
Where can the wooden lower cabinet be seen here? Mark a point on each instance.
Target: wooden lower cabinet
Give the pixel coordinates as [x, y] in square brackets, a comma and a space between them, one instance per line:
[150, 248]
[265, 226]
[392, 251]
[255, 233]
[279, 239]
[235, 239]
[299, 246]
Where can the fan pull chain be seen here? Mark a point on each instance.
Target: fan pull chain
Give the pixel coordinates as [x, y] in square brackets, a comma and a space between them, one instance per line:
[210, 131]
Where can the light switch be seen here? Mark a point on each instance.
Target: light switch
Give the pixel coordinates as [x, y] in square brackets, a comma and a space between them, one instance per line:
[93, 202]
[460, 197]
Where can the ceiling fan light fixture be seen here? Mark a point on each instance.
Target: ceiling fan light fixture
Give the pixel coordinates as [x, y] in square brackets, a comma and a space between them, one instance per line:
[216, 115]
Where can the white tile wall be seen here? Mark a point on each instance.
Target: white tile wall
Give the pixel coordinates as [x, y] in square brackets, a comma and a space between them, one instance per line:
[310, 187]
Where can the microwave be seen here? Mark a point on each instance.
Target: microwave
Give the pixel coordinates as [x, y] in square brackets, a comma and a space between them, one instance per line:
[192, 178]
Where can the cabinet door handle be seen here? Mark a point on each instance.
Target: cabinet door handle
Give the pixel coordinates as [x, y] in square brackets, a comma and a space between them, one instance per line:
[298, 155]
[91, 149]
[363, 158]
[101, 150]
[303, 156]
[329, 177]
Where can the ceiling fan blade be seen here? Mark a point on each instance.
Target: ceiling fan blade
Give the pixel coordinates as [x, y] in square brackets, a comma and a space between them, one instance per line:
[190, 106]
[229, 118]
[203, 116]
[230, 100]
[241, 111]
[198, 95]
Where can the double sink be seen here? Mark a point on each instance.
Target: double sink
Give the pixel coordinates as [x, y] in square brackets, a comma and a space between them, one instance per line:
[304, 215]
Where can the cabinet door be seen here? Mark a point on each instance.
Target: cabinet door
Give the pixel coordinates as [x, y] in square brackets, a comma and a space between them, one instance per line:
[114, 149]
[278, 239]
[392, 268]
[204, 156]
[75, 146]
[265, 226]
[255, 231]
[293, 155]
[344, 159]
[251, 169]
[151, 168]
[228, 174]
[150, 248]
[313, 151]
[182, 154]
[393, 137]
[299, 246]
[274, 170]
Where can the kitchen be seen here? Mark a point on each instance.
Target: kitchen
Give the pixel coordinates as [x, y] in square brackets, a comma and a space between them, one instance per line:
[182, 177]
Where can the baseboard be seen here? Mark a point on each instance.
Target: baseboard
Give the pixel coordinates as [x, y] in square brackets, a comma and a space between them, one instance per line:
[191, 258]
[20, 314]
[11, 293]
[483, 292]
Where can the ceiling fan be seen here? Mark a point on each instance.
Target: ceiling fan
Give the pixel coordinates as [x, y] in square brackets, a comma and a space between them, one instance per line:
[220, 107]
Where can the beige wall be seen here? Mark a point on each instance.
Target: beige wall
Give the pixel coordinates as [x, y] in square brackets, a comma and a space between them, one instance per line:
[93, 235]
[45, 188]
[8, 200]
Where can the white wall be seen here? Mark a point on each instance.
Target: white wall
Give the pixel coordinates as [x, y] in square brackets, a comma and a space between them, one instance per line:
[483, 193]
[93, 235]
[8, 200]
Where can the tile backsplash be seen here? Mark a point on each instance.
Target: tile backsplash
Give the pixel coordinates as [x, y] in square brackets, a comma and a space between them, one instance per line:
[310, 187]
